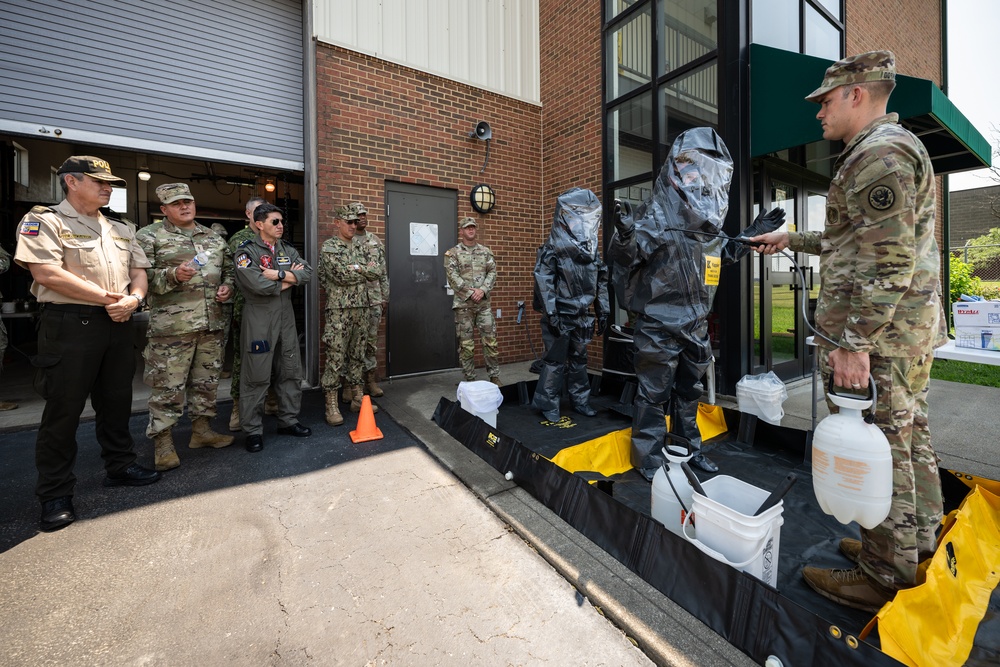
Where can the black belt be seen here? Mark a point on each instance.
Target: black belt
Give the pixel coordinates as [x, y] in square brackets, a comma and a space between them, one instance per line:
[75, 308]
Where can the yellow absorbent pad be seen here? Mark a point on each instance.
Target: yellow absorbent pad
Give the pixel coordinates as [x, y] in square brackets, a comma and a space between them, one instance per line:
[609, 454]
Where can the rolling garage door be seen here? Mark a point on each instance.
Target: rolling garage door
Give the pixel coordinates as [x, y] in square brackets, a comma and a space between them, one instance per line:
[219, 80]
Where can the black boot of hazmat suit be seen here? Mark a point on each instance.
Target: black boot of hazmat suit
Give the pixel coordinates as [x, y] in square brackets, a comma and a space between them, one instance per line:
[666, 260]
[569, 277]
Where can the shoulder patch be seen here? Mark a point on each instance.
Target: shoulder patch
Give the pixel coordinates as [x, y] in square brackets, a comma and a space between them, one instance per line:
[881, 197]
[29, 227]
[245, 243]
[243, 260]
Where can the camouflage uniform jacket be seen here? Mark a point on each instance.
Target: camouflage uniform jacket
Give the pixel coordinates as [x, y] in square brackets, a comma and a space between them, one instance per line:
[178, 308]
[245, 234]
[346, 286]
[468, 269]
[378, 290]
[879, 267]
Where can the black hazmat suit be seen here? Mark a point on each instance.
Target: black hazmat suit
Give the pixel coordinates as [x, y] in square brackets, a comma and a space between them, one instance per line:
[569, 277]
[665, 264]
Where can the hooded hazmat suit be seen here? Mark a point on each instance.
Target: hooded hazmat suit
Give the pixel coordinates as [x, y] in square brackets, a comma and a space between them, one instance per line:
[666, 261]
[569, 277]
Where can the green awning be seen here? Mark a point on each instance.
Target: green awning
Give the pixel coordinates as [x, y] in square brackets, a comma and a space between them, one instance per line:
[780, 118]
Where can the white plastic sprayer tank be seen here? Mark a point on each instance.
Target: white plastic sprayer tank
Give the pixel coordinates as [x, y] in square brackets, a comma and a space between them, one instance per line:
[671, 491]
[852, 463]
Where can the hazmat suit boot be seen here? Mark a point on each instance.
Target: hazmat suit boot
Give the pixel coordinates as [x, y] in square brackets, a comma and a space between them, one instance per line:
[548, 390]
[234, 418]
[346, 392]
[701, 462]
[271, 404]
[578, 385]
[371, 386]
[333, 416]
[164, 454]
[359, 393]
[202, 435]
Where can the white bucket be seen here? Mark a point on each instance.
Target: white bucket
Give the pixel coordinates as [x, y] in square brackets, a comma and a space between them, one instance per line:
[728, 531]
[762, 395]
[482, 399]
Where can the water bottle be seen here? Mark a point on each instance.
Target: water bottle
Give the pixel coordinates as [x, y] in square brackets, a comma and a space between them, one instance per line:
[852, 463]
[671, 491]
[198, 261]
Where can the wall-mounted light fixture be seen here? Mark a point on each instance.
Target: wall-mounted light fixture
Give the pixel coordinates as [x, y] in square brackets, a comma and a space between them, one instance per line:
[482, 198]
[269, 186]
[144, 175]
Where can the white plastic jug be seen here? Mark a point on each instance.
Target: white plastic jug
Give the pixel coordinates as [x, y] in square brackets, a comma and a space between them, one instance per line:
[671, 491]
[852, 463]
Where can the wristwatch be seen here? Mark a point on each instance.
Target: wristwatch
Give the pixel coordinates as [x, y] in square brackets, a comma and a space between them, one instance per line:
[141, 301]
[281, 274]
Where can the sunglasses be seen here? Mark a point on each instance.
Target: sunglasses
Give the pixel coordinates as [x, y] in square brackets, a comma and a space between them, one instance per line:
[277, 221]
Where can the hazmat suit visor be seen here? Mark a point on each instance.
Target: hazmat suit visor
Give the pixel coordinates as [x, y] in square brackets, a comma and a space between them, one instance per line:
[693, 186]
[576, 224]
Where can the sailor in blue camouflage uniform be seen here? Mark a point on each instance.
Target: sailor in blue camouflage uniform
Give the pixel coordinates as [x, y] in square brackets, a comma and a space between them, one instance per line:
[879, 309]
[267, 269]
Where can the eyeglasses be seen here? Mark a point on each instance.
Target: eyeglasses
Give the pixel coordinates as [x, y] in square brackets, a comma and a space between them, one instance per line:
[277, 221]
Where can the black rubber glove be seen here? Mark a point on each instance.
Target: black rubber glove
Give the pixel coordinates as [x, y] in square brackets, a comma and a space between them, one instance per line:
[766, 221]
[622, 217]
[602, 326]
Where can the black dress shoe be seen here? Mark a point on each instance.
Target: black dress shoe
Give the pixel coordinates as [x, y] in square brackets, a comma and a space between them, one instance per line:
[254, 443]
[134, 475]
[296, 429]
[585, 410]
[702, 463]
[56, 514]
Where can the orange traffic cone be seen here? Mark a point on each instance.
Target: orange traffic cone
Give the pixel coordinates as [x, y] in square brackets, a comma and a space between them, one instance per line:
[366, 423]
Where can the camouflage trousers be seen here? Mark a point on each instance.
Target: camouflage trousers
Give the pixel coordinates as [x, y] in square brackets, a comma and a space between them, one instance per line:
[344, 337]
[477, 316]
[3, 342]
[371, 342]
[891, 551]
[179, 367]
[237, 323]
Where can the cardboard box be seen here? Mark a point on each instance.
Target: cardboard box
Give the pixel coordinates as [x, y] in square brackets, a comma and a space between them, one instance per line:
[971, 314]
[979, 338]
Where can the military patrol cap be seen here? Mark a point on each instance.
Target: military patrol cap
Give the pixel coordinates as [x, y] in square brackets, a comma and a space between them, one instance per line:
[171, 192]
[346, 213]
[92, 166]
[467, 222]
[870, 66]
[219, 229]
[359, 208]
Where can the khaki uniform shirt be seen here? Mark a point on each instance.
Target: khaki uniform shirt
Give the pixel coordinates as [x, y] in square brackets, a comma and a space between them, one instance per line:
[468, 269]
[98, 250]
[880, 267]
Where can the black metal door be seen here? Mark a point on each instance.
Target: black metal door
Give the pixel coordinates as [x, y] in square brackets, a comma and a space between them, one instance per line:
[421, 224]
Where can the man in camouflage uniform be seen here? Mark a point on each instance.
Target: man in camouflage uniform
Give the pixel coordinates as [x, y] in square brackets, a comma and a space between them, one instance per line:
[471, 272]
[377, 292]
[186, 321]
[879, 306]
[267, 268]
[245, 234]
[345, 270]
[4, 265]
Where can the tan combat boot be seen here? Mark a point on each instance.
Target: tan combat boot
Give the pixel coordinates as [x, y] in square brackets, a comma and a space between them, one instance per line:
[271, 404]
[234, 419]
[346, 393]
[371, 386]
[333, 416]
[202, 435]
[164, 454]
[359, 393]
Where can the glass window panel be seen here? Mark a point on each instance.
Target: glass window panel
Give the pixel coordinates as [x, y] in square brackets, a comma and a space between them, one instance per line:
[822, 37]
[616, 7]
[630, 138]
[832, 6]
[688, 30]
[821, 156]
[776, 23]
[690, 101]
[629, 55]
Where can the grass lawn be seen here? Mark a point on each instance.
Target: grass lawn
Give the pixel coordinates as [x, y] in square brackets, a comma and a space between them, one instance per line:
[966, 372]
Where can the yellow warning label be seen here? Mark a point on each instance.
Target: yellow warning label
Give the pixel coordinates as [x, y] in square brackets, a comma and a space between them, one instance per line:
[713, 267]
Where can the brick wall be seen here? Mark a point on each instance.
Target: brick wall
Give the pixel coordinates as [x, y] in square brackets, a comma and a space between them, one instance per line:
[380, 122]
[973, 213]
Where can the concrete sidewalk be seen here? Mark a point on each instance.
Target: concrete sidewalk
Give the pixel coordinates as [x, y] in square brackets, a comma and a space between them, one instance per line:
[379, 559]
